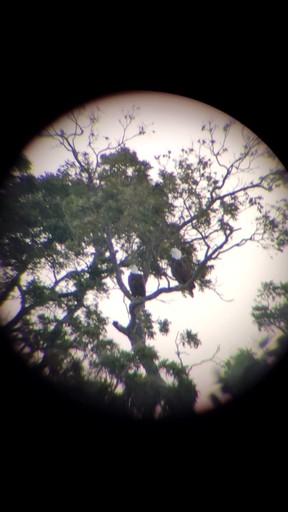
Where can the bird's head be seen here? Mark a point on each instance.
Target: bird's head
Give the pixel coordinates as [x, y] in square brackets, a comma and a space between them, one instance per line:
[134, 270]
[176, 253]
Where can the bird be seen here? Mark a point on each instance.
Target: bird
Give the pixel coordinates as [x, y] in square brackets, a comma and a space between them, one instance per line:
[181, 269]
[136, 282]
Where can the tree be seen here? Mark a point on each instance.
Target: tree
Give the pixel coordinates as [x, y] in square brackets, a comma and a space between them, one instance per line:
[67, 239]
[246, 367]
[240, 372]
[270, 313]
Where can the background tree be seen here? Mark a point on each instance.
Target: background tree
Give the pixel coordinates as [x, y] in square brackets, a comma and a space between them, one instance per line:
[239, 373]
[68, 237]
[270, 313]
[246, 367]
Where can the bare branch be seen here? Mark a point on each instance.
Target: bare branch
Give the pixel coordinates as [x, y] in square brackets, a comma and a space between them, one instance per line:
[220, 295]
[64, 139]
[236, 192]
[79, 130]
[68, 140]
[241, 242]
[68, 275]
[178, 352]
[120, 328]
[207, 360]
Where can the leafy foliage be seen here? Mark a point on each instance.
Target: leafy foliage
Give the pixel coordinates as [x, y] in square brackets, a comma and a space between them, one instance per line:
[271, 309]
[164, 326]
[241, 371]
[190, 339]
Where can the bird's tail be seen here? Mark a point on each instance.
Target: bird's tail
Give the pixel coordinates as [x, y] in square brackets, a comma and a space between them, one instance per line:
[191, 293]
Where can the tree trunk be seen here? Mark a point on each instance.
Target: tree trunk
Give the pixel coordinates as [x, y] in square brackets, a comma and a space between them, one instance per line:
[137, 337]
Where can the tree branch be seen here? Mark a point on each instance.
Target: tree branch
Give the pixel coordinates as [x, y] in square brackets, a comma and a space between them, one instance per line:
[116, 266]
[208, 359]
[236, 192]
[178, 352]
[120, 328]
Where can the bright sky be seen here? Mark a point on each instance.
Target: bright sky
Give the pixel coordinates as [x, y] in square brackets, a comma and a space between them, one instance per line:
[177, 122]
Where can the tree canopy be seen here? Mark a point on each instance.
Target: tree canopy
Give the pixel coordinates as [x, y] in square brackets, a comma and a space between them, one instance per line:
[68, 238]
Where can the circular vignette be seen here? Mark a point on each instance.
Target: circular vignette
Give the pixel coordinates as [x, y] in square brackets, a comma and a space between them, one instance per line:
[118, 183]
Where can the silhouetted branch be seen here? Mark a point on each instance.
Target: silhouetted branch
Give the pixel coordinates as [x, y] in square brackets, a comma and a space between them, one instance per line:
[207, 360]
[120, 328]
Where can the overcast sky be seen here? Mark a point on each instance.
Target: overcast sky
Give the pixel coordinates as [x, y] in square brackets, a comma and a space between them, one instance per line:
[177, 122]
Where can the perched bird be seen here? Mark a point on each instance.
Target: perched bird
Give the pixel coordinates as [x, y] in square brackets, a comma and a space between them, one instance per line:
[136, 282]
[181, 269]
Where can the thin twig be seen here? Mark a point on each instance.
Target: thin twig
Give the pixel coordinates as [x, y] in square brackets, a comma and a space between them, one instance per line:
[207, 360]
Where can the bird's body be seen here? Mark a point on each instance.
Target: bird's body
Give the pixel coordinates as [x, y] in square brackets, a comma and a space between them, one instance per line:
[181, 269]
[136, 282]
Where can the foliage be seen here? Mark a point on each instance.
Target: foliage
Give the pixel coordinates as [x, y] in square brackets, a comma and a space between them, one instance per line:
[190, 339]
[164, 326]
[68, 237]
[245, 368]
[241, 371]
[271, 309]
